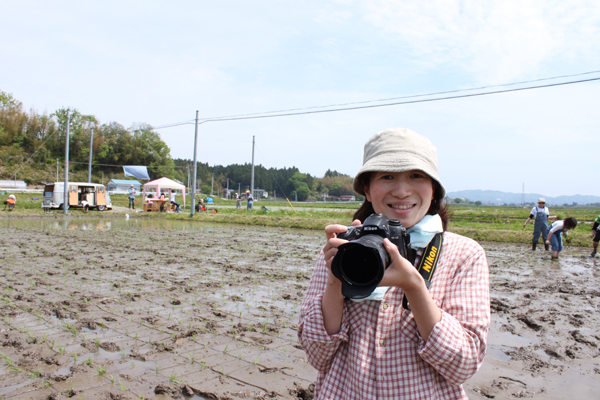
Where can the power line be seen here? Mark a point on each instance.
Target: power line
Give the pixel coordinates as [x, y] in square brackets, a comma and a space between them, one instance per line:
[351, 106]
[413, 96]
[402, 102]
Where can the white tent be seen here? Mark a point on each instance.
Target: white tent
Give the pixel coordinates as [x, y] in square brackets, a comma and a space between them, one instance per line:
[163, 183]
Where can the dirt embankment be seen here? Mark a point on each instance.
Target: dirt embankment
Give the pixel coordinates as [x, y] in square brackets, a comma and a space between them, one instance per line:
[212, 313]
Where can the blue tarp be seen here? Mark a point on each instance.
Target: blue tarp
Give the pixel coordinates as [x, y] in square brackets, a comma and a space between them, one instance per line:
[137, 171]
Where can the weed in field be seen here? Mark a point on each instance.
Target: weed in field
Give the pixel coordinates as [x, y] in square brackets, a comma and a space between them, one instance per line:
[10, 363]
[101, 370]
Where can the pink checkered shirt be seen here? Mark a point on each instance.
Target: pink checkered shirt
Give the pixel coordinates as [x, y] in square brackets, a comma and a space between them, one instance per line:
[379, 354]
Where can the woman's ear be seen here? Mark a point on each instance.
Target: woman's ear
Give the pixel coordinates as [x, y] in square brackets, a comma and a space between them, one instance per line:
[367, 194]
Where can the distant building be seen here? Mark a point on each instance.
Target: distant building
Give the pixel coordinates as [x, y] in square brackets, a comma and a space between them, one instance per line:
[123, 185]
[18, 185]
[347, 197]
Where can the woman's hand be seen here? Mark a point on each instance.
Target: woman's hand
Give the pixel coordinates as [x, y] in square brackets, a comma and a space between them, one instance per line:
[332, 303]
[330, 248]
[401, 272]
[548, 241]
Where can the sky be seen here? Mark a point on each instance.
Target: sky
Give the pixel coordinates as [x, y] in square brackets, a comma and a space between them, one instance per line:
[159, 62]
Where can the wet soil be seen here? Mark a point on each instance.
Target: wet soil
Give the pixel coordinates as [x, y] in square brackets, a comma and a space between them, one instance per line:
[124, 311]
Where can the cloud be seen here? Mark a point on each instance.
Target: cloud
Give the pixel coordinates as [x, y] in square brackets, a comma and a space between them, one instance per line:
[494, 41]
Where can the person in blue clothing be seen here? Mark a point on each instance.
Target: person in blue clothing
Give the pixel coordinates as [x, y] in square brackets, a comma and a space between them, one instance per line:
[554, 235]
[250, 200]
[540, 214]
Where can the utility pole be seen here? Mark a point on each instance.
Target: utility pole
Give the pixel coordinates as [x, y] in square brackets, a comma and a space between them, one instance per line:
[66, 189]
[239, 188]
[193, 204]
[227, 189]
[212, 179]
[57, 170]
[90, 163]
[252, 175]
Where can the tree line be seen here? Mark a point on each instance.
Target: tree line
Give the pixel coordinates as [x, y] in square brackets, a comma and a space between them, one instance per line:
[32, 144]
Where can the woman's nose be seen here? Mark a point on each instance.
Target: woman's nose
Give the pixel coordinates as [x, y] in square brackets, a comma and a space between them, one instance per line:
[402, 188]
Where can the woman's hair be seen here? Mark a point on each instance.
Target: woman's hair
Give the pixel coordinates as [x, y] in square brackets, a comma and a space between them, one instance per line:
[438, 206]
[570, 223]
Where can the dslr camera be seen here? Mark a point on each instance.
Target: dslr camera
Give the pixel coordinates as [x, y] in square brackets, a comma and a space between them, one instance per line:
[361, 263]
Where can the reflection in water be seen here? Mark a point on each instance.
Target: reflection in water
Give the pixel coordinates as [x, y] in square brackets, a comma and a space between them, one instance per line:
[104, 224]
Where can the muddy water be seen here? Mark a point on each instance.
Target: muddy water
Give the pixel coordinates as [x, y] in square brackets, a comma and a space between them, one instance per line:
[119, 308]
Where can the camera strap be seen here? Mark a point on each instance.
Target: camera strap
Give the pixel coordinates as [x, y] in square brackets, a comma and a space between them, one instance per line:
[428, 263]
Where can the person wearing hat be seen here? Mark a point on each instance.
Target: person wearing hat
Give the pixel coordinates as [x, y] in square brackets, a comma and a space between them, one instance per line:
[250, 200]
[378, 346]
[132, 197]
[238, 201]
[540, 215]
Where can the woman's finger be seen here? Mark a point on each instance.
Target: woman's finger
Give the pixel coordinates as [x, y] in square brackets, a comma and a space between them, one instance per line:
[332, 230]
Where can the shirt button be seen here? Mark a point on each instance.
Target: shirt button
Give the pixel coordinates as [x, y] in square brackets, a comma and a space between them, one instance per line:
[386, 306]
[374, 377]
[381, 342]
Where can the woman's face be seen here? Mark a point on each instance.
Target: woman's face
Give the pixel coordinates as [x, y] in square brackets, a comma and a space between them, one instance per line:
[401, 195]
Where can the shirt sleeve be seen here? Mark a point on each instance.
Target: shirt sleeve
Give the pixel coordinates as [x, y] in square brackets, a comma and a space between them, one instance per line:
[320, 347]
[457, 344]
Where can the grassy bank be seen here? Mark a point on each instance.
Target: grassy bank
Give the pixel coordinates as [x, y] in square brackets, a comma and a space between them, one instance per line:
[483, 223]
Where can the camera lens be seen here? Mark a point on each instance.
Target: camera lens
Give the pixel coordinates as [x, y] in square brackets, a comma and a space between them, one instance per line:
[360, 264]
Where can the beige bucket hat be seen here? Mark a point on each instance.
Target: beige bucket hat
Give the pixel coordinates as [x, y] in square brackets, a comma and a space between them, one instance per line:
[398, 150]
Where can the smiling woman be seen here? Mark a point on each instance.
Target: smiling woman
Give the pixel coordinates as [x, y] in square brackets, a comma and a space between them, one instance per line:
[382, 346]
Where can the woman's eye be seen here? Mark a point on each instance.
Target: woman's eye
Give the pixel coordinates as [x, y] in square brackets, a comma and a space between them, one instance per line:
[417, 176]
[386, 177]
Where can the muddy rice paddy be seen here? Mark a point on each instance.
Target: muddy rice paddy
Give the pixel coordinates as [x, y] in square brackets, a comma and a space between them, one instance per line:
[131, 309]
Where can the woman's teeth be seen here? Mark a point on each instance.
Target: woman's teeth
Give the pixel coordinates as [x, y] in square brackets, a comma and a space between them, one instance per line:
[401, 207]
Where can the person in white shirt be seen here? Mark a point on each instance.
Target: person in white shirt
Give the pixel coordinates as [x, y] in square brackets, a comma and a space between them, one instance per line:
[540, 214]
[555, 237]
[131, 197]
[172, 198]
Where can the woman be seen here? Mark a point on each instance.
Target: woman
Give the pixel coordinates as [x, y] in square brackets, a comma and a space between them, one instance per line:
[375, 348]
[555, 238]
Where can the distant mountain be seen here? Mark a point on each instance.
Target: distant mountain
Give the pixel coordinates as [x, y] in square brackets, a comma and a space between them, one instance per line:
[499, 198]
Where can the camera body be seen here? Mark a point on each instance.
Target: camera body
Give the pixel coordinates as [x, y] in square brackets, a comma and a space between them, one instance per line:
[361, 263]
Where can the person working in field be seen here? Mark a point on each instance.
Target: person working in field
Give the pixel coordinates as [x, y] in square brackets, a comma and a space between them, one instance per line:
[554, 235]
[540, 214]
[381, 346]
[250, 200]
[11, 202]
[596, 236]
